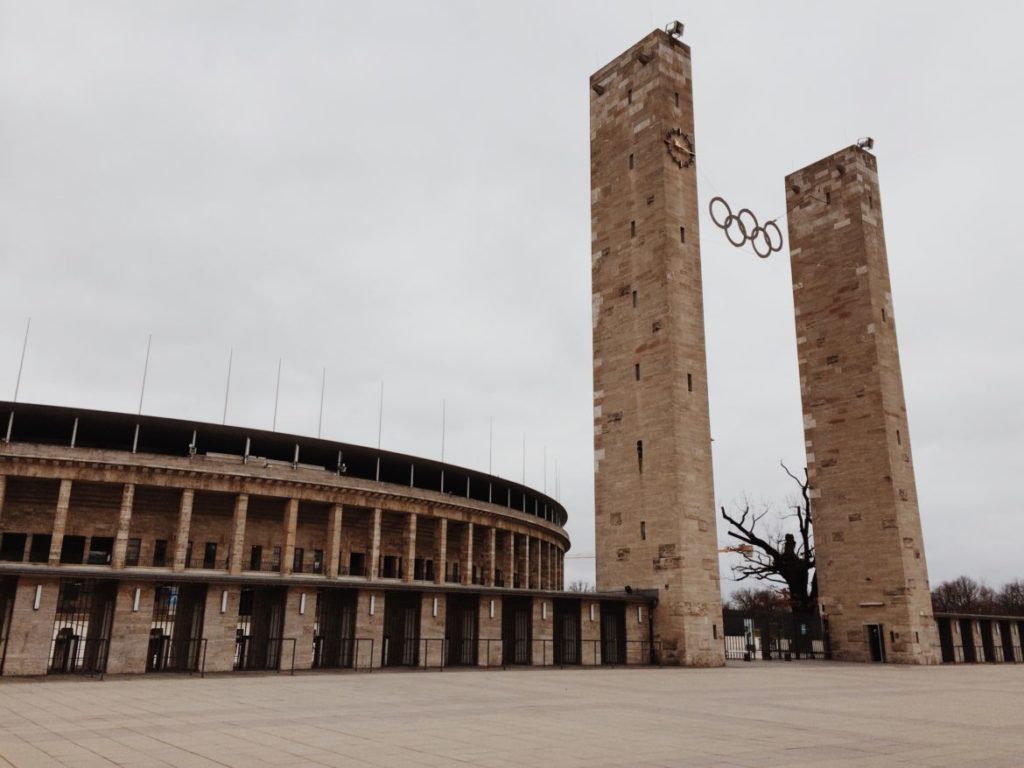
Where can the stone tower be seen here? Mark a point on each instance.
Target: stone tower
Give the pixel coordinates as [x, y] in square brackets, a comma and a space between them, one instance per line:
[655, 510]
[872, 577]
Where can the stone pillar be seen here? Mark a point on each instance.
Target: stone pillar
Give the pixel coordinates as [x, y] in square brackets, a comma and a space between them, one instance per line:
[526, 561]
[432, 630]
[492, 556]
[219, 626]
[184, 526]
[129, 632]
[410, 547]
[637, 633]
[441, 561]
[291, 522]
[510, 559]
[334, 541]
[124, 523]
[467, 553]
[238, 538]
[540, 564]
[31, 632]
[60, 521]
[375, 544]
[369, 629]
[299, 624]
[489, 653]
[590, 632]
[3, 487]
[543, 632]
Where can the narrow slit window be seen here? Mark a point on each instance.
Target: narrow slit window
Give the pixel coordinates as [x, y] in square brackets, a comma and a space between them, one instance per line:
[689, 382]
[828, 198]
[636, 371]
[682, 234]
[631, 161]
[871, 201]
[677, 99]
[629, 96]
[883, 314]
[640, 455]
[643, 531]
[634, 299]
[899, 439]
[632, 229]
[714, 631]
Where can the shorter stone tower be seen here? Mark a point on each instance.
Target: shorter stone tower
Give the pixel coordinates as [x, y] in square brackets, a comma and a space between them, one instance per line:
[872, 576]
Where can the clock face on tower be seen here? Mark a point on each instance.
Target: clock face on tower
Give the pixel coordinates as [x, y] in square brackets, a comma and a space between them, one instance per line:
[680, 148]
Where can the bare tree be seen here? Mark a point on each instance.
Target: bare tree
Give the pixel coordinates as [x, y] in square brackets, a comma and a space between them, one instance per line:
[1010, 599]
[579, 586]
[757, 600]
[779, 558]
[963, 595]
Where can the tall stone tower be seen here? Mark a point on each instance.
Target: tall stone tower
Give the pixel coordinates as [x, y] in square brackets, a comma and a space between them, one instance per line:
[655, 509]
[872, 577]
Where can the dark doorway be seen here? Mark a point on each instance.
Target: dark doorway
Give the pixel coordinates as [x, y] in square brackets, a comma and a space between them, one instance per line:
[335, 629]
[72, 550]
[967, 640]
[8, 587]
[987, 645]
[461, 622]
[81, 627]
[12, 547]
[946, 641]
[516, 630]
[567, 632]
[401, 629]
[1006, 638]
[876, 642]
[613, 633]
[176, 635]
[260, 626]
[39, 548]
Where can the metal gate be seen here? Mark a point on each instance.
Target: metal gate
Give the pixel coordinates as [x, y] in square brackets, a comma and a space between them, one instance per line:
[176, 633]
[461, 622]
[567, 632]
[8, 588]
[401, 629]
[335, 629]
[260, 626]
[516, 630]
[774, 635]
[81, 627]
[613, 633]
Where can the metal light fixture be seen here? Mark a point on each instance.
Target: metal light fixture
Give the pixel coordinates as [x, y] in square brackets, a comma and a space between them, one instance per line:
[674, 29]
[866, 142]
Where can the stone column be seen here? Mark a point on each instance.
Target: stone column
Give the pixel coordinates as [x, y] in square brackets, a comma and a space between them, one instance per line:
[540, 565]
[184, 526]
[3, 487]
[298, 624]
[432, 628]
[238, 538]
[492, 555]
[543, 632]
[510, 559]
[31, 632]
[291, 522]
[590, 632]
[369, 642]
[129, 631]
[467, 556]
[219, 626]
[60, 521]
[441, 561]
[375, 544]
[526, 561]
[489, 652]
[334, 541]
[410, 547]
[124, 523]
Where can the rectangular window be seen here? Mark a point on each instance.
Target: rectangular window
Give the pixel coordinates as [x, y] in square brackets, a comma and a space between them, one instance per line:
[643, 531]
[12, 547]
[899, 441]
[39, 549]
[210, 554]
[634, 299]
[640, 455]
[883, 314]
[631, 161]
[255, 557]
[160, 553]
[101, 550]
[357, 564]
[298, 560]
[131, 554]
[629, 96]
[275, 559]
[871, 201]
[677, 99]
[318, 561]
[632, 229]
[682, 234]
[714, 631]
[636, 371]
[828, 198]
[689, 382]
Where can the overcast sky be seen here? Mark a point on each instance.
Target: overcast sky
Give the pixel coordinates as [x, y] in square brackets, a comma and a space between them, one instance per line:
[400, 192]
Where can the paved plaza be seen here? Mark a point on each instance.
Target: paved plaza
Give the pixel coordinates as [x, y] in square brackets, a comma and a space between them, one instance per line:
[766, 714]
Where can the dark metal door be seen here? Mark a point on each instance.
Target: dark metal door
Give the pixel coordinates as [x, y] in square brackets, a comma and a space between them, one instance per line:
[1007, 641]
[613, 633]
[986, 640]
[567, 632]
[401, 629]
[335, 629]
[876, 642]
[967, 640]
[461, 621]
[946, 641]
[516, 631]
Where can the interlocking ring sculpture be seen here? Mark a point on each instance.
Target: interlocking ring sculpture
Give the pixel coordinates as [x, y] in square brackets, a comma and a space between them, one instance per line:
[743, 227]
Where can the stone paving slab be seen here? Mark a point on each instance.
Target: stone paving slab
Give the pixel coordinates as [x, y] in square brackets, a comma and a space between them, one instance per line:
[797, 715]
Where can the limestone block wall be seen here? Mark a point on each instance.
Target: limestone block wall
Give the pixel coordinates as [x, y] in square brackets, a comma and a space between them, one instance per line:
[129, 633]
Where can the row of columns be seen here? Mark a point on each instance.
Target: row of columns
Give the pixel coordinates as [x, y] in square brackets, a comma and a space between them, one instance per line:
[546, 557]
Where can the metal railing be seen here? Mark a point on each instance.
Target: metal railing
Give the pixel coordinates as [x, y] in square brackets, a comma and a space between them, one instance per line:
[79, 656]
[189, 656]
[208, 564]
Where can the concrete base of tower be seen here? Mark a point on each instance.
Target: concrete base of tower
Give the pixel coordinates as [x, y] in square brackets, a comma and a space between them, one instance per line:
[867, 635]
[689, 634]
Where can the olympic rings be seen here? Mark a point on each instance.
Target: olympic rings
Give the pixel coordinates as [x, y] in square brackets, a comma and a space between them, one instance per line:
[742, 227]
